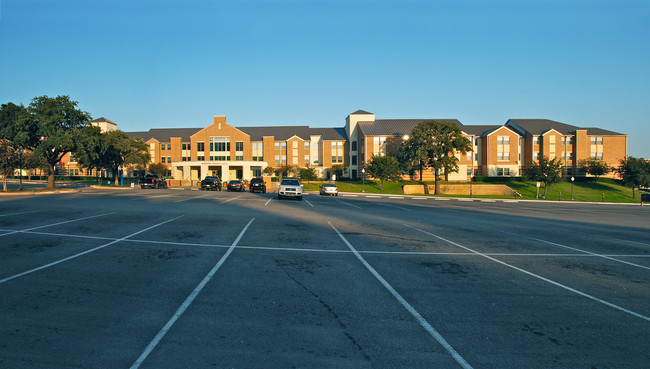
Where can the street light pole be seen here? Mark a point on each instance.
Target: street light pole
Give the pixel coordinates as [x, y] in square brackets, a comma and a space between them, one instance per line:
[20, 156]
[572, 179]
[363, 180]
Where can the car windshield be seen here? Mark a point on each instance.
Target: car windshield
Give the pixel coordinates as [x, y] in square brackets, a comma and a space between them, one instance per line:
[290, 182]
[235, 182]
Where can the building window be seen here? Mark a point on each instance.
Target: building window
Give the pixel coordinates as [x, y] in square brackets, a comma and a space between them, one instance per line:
[283, 145]
[306, 145]
[535, 140]
[220, 144]
[239, 157]
[277, 159]
[200, 157]
[256, 171]
[200, 146]
[277, 145]
[353, 146]
[258, 151]
[284, 159]
[503, 148]
[306, 159]
[239, 146]
[294, 145]
[354, 160]
[163, 159]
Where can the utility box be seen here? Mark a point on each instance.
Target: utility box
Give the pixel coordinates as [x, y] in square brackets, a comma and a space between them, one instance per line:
[645, 198]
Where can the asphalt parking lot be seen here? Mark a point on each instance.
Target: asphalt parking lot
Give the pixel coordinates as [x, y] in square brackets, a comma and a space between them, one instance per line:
[198, 279]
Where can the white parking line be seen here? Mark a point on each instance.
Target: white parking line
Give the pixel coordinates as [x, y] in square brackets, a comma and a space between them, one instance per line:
[229, 200]
[83, 253]
[191, 198]
[54, 224]
[393, 206]
[270, 198]
[577, 249]
[612, 305]
[434, 333]
[354, 206]
[308, 203]
[188, 301]
[22, 212]
[581, 255]
[396, 197]
[373, 196]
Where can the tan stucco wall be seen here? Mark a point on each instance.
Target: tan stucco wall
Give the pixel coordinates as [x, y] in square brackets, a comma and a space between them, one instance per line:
[460, 189]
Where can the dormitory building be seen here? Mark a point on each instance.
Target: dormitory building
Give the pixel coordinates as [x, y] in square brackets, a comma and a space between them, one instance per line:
[231, 152]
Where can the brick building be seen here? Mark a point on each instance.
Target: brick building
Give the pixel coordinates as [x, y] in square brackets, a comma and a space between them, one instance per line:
[244, 152]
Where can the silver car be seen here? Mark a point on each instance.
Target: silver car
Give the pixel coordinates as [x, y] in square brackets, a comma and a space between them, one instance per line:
[329, 189]
[290, 187]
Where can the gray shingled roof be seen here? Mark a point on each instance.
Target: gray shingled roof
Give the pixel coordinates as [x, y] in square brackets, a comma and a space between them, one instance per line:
[397, 127]
[540, 126]
[101, 120]
[164, 134]
[601, 132]
[331, 134]
[480, 130]
[361, 112]
[280, 133]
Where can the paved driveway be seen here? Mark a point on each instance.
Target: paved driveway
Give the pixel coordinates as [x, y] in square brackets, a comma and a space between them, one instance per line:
[194, 279]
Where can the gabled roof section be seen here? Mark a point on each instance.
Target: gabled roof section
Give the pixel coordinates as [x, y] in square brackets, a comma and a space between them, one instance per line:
[164, 134]
[280, 133]
[498, 128]
[397, 127]
[360, 112]
[102, 120]
[539, 126]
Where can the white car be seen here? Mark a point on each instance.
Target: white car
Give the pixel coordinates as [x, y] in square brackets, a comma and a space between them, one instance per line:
[290, 187]
[329, 189]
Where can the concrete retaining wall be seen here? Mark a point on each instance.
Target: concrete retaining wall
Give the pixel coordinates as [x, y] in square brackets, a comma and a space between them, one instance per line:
[461, 189]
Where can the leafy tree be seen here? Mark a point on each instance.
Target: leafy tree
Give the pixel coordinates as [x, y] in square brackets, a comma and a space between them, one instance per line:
[545, 170]
[270, 171]
[337, 170]
[432, 144]
[595, 167]
[111, 150]
[8, 160]
[159, 169]
[52, 129]
[384, 168]
[17, 126]
[307, 174]
[634, 172]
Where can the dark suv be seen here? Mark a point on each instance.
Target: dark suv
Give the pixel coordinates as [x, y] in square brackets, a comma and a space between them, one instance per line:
[257, 184]
[211, 183]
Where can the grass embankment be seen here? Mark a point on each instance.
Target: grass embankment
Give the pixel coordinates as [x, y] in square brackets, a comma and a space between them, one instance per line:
[587, 191]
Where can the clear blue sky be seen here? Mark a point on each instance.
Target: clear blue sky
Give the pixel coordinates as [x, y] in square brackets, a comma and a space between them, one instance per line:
[157, 64]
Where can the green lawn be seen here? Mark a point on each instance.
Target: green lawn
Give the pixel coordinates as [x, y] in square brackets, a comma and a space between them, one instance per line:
[582, 191]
